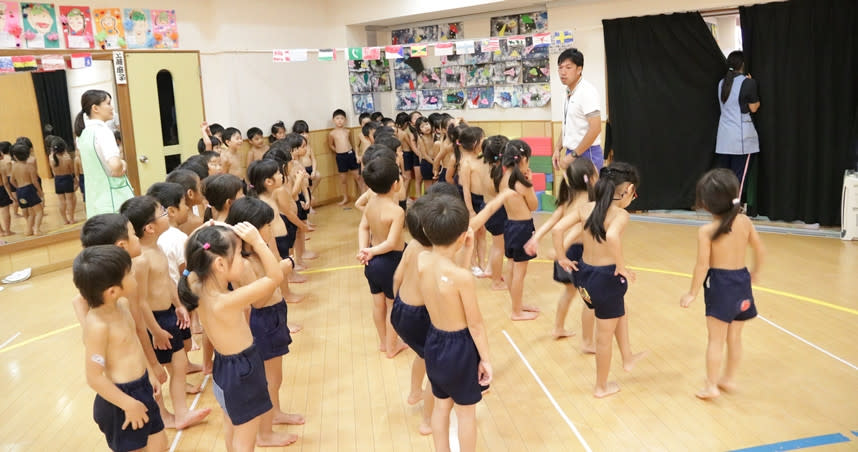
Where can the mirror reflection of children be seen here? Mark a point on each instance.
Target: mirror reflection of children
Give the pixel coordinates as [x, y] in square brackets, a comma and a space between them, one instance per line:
[29, 192]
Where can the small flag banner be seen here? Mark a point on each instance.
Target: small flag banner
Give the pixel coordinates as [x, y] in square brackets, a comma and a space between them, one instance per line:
[393, 52]
[24, 63]
[297, 55]
[419, 51]
[279, 55]
[516, 40]
[355, 53]
[490, 45]
[371, 53]
[53, 63]
[563, 37]
[542, 38]
[444, 48]
[81, 60]
[6, 64]
[327, 55]
[464, 47]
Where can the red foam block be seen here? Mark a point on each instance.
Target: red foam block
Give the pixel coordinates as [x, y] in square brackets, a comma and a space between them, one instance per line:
[538, 180]
[539, 145]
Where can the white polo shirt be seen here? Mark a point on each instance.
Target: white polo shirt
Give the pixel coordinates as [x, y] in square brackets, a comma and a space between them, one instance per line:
[172, 243]
[582, 102]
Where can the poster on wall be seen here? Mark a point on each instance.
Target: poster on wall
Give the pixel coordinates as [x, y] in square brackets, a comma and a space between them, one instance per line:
[164, 29]
[401, 36]
[430, 99]
[535, 71]
[453, 77]
[536, 22]
[77, 27]
[479, 75]
[507, 73]
[454, 99]
[407, 100]
[138, 28]
[428, 33]
[109, 30]
[381, 82]
[508, 96]
[363, 103]
[451, 31]
[40, 25]
[504, 26]
[10, 25]
[430, 78]
[360, 81]
[482, 97]
[537, 95]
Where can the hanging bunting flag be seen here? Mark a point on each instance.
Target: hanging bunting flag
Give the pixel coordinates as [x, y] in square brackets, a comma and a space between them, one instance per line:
[372, 53]
[6, 65]
[327, 55]
[280, 55]
[355, 53]
[24, 63]
[419, 51]
[563, 37]
[443, 48]
[393, 52]
[463, 47]
[297, 55]
[81, 60]
[53, 63]
[542, 39]
[490, 45]
[515, 40]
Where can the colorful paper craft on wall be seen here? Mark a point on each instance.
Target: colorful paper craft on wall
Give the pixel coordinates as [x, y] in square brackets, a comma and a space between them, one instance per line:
[109, 29]
[452, 31]
[479, 56]
[402, 36]
[454, 99]
[481, 97]
[537, 95]
[363, 103]
[430, 78]
[535, 71]
[453, 77]
[407, 100]
[404, 79]
[10, 26]
[508, 73]
[164, 29]
[6, 65]
[479, 75]
[138, 29]
[381, 82]
[430, 99]
[533, 22]
[504, 26]
[452, 60]
[534, 52]
[428, 33]
[40, 25]
[508, 96]
[360, 81]
[510, 50]
[378, 65]
[77, 27]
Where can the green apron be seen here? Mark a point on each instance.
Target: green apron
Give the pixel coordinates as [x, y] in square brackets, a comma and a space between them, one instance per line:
[104, 193]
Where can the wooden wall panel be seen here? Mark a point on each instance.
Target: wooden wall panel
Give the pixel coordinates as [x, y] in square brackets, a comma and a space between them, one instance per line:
[20, 116]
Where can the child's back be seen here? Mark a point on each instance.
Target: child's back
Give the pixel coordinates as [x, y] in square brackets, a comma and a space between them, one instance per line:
[381, 212]
[728, 250]
[22, 174]
[599, 253]
[440, 279]
[63, 164]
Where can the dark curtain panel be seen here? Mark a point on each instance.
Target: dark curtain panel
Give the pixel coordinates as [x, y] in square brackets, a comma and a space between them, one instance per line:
[804, 56]
[52, 95]
[663, 74]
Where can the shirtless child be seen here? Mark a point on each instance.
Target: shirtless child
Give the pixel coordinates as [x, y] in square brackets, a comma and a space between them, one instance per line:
[229, 158]
[340, 144]
[29, 189]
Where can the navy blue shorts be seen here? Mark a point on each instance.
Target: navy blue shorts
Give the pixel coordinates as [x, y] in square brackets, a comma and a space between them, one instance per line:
[5, 200]
[167, 321]
[478, 202]
[496, 223]
[302, 212]
[728, 295]
[515, 234]
[346, 162]
[110, 417]
[403, 204]
[574, 253]
[309, 170]
[284, 244]
[411, 324]
[11, 185]
[410, 160]
[81, 186]
[442, 175]
[240, 386]
[64, 184]
[270, 333]
[426, 169]
[601, 290]
[379, 272]
[28, 196]
[452, 365]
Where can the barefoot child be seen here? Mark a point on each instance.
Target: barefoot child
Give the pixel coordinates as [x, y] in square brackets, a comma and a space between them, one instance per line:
[721, 247]
[29, 190]
[514, 174]
[493, 148]
[154, 286]
[602, 277]
[268, 318]
[474, 177]
[62, 166]
[339, 143]
[296, 192]
[214, 260]
[380, 246]
[7, 201]
[428, 146]
[308, 161]
[456, 347]
[575, 187]
[124, 408]
[258, 146]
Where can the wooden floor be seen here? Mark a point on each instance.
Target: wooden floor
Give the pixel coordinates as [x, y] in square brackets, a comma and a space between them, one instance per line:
[354, 399]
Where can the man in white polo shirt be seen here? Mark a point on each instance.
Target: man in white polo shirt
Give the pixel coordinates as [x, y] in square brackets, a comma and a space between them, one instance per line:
[582, 119]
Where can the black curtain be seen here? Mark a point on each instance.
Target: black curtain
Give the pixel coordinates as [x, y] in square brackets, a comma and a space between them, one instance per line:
[663, 73]
[804, 56]
[52, 96]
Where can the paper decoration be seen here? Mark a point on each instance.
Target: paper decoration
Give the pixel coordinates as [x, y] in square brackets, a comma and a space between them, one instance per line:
[536, 95]
[443, 48]
[109, 29]
[10, 26]
[481, 97]
[508, 96]
[6, 65]
[541, 39]
[358, 65]
[40, 25]
[490, 45]
[478, 57]
[428, 33]
[164, 28]
[430, 99]
[77, 27]
[453, 99]
[404, 79]
[465, 47]
[119, 67]
[517, 41]
[327, 55]
[401, 36]
[297, 55]
[360, 81]
[451, 31]
[24, 63]
[393, 52]
[562, 38]
[407, 100]
[453, 77]
[378, 66]
[479, 75]
[138, 28]
[452, 60]
[504, 26]
[508, 52]
[355, 53]
[534, 52]
[81, 60]
[419, 51]
[53, 63]
[371, 53]
[429, 78]
[363, 103]
[535, 71]
[278, 55]
[507, 73]
[381, 82]
[533, 22]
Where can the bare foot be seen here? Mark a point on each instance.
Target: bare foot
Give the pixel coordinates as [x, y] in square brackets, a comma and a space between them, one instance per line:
[310, 255]
[192, 418]
[311, 228]
[560, 333]
[194, 345]
[299, 266]
[415, 397]
[610, 389]
[424, 429]
[727, 385]
[527, 308]
[294, 328]
[709, 391]
[288, 419]
[297, 278]
[343, 202]
[524, 315]
[396, 349]
[191, 389]
[169, 420]
[588, 349]
[194, 368]
[197, 329]
[629, 365]
[294, 297]
[276, 439]
[499, 285]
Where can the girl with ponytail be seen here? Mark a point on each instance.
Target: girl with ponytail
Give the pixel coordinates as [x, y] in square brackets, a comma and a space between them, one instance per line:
[721, 248]
[601, 274]
[493, 148]
[62, 166]
[475, 179]
[575, 190]
[515, 175]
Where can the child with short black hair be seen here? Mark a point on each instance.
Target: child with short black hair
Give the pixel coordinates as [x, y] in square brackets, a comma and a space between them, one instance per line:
[339, 142]
[61, 160]
[29, 190]
[308, 160]
[721, 249]
[229, 157]
[125, 408]
[278, 132]
[220, 191]
[190, 182]
[258, 146]
[8, 204]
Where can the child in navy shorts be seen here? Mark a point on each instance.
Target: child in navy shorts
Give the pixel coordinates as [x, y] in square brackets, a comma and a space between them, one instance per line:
[726, 281]
[29, 188]
[213, 260]
[381, 245]
[125, 408]
[602, 277]
[339, 142]
[456, 349]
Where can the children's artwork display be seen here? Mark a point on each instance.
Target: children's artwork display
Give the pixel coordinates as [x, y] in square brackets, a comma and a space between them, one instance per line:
[430, 99]
[479, 75]
[378, 66]
[164, 29]
[479, 56]
[407, 100]
[138, 29]
[402, 36]
[40, 25]
[507, 73]
[404, 79]
[360, 81]
[363, 103]
[504, 26]
[77, 27]
[430, 78]
[453, 77]
[482, 97]
[533, 22]
[510, 50]
[10, 26]
[453, 99]
[534, 52]
[109, 29]
[535, 71]
[428, 33]
[508, 96]
[451, 31]
[535, 95]
[381, 82]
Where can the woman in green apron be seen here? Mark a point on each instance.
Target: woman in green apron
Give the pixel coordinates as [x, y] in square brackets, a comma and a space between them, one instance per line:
[107, 185]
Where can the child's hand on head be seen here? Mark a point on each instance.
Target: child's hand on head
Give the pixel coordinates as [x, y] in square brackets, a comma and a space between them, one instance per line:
[246, 232]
